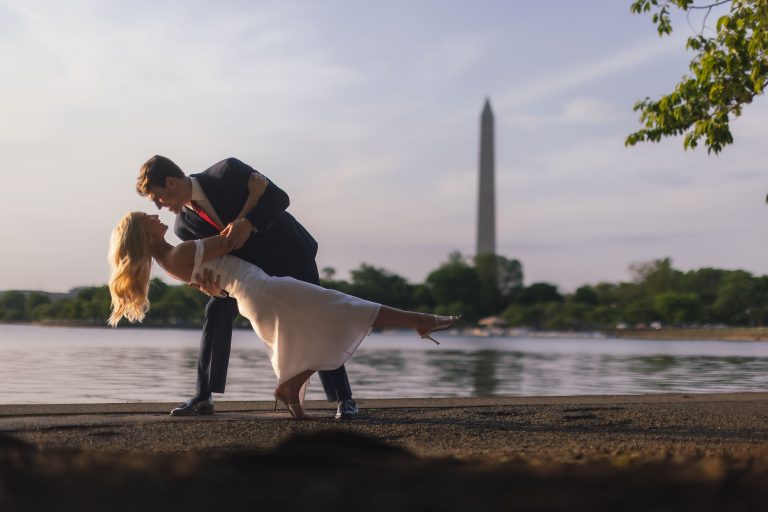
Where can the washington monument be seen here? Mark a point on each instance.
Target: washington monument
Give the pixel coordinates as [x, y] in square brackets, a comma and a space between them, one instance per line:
[486, 204]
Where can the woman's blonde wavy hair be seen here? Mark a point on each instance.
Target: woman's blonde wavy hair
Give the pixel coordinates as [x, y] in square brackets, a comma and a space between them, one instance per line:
[130, 256]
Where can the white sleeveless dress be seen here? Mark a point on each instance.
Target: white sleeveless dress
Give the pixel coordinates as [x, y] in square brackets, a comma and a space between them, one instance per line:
[304, 326]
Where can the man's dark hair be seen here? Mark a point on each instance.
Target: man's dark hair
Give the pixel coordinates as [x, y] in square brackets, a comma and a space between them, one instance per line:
[154, 172]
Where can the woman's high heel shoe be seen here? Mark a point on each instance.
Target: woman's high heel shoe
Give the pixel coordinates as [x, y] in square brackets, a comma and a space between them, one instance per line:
[284, 394]
[294, 409]
[438, 327]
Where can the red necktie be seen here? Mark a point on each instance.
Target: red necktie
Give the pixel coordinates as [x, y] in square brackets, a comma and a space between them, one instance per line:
[204, 215]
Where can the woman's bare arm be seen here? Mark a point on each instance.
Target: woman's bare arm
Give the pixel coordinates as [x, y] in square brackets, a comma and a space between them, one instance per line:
[180, 260]
[215, 247]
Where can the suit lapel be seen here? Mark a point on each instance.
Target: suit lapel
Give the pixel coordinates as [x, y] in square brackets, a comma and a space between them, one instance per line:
[213, 189]
[196, 225]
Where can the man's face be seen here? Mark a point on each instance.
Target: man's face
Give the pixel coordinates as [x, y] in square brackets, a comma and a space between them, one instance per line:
[172, 196]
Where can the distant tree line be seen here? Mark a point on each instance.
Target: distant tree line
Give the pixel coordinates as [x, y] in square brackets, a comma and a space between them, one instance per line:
[180, 306]
[656, 293]
[486, 285]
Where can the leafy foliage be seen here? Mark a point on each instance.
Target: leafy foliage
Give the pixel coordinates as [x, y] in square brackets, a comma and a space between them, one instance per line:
[476, 288]
[728, 70]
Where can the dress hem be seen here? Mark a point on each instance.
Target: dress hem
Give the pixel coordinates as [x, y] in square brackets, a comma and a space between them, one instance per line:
[352, 347]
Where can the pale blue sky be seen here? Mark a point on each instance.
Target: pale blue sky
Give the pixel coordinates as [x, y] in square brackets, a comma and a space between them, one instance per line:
[367, 114]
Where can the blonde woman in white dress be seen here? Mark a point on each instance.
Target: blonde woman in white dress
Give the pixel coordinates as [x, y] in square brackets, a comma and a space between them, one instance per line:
[305, 327]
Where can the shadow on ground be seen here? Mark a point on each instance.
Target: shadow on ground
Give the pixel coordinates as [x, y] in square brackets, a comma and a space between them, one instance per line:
[336, 470]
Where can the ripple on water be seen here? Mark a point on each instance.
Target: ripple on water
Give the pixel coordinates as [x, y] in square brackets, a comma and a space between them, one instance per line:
[71, 365]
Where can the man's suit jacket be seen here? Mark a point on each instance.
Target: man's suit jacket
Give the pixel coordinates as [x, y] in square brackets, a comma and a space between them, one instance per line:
[281, 246]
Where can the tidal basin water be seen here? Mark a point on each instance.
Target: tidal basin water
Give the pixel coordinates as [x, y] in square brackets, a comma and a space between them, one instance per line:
[80, 365]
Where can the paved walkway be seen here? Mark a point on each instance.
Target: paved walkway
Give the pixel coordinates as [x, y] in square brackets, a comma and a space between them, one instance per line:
[630, 453]
[492, 429]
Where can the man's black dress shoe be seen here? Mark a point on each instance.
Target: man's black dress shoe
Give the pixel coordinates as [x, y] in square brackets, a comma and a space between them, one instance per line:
[194, 407]
[347, 409]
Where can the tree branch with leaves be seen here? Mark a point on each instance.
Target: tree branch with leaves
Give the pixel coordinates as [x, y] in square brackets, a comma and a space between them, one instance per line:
[728, 70]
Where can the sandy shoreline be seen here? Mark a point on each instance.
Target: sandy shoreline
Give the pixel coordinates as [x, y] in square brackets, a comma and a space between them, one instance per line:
[694, 334]
[708, 452]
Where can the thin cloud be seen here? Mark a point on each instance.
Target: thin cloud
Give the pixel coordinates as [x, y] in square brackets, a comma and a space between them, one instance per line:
[590, 111]
[625, 59]
[577, 111]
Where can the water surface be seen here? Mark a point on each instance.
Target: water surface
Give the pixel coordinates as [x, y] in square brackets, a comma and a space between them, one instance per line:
[80, 365]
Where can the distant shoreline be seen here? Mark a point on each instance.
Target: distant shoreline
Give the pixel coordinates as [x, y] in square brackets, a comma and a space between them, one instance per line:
[84, 324]
[671, 334]
[695, 334]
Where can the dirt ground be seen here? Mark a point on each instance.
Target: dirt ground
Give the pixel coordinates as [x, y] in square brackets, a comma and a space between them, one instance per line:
[654, 452]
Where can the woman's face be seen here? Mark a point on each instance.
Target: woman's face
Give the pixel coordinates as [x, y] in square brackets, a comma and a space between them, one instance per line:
[153, 226]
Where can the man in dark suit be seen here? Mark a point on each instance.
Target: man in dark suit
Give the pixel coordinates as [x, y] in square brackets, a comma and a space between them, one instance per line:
[208, 204]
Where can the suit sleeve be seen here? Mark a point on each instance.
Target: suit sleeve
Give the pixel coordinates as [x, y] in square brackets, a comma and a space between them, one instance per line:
[272, 203]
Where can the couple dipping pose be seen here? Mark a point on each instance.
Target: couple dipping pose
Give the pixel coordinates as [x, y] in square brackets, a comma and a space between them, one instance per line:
[250, 255]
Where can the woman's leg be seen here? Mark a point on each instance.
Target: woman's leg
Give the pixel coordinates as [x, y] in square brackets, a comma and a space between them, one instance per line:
[421, 322]
[288, 393]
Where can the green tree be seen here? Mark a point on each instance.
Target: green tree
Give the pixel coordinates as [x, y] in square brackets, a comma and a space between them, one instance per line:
[96, 308]
[530, 315]
[621, 302]
[586, 295]
[758, 311]
[327, 281]
[489, 298]
[641, 311]
[380, 285]
[735, 298]
[568, 316]
[71, 309]
[455, 282]
[729, 68]
[504, 274]
[677, 308]
[157, 288]
[178, 305]
[47, 312]
[514, 314]
[423, 298]
[656, 276]
[33, 300]
[538, 293]
[13, 306]
[704, 282]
